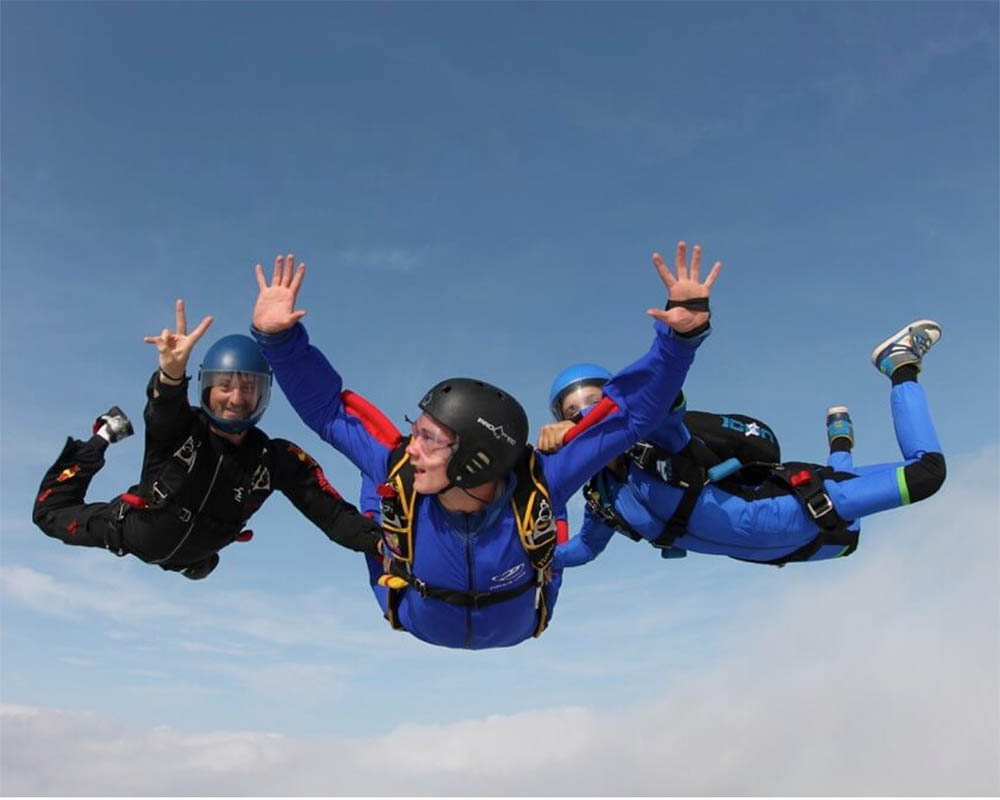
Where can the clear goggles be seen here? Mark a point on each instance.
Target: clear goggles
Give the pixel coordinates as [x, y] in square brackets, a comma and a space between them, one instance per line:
[430, 441]
[576, 401]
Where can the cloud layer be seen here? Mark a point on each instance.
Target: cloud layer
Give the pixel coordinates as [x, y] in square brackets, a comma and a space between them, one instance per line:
[858, 680]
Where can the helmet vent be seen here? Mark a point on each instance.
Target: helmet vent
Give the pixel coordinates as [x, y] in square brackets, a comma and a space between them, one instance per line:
[479, 461]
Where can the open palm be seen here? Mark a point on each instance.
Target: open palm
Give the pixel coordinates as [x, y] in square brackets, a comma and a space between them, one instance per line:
[687, 285]
[274, 310]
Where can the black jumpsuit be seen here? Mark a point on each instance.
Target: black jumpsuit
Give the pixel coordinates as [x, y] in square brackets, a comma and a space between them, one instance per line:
[196, 492]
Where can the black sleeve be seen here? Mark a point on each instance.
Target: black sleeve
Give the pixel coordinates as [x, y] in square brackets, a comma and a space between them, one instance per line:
[168, 415]
[302, 481]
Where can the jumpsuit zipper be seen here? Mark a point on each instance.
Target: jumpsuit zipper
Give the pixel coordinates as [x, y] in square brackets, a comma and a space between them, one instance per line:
[194, 519]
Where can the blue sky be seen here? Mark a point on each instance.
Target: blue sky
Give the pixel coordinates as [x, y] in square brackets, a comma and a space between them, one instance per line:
[476, 189]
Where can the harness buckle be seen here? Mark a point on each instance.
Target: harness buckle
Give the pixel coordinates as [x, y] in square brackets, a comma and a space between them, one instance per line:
[639, 453]
[184, 514]
[159, 496]
[819, 505]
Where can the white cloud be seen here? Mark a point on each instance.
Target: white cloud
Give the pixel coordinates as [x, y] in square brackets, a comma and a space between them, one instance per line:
[122, 596]
[877, 675]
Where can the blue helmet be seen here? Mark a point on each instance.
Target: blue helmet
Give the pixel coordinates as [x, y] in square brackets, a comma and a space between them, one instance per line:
[573, 378]
[236, 358]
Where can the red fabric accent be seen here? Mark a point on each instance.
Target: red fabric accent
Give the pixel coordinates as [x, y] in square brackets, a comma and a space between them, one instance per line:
[598, 413]
[72, 527]
[134, 500]
[244, 536]
[301, 455]
[370, 514]
[44, 495]
[375, 422]
[382, 490]
[562, 531]
[68, 473]
[800, 477]
[324, 484]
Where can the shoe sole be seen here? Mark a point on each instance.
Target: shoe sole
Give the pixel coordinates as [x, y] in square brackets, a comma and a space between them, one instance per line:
[903, 332]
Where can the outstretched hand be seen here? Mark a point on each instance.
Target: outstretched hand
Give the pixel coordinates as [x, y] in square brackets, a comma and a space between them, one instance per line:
[274, 310]
[174, 347]
[686, 286]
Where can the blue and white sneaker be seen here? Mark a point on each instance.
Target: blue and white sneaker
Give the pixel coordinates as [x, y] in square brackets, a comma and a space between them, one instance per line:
[907, 346]
[838, 425]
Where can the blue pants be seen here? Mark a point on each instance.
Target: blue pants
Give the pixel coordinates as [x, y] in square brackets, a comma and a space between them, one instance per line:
[765, 528]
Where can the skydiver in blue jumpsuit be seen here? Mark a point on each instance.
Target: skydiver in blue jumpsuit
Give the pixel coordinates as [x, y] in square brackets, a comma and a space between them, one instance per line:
[762, 521]
[471, 582]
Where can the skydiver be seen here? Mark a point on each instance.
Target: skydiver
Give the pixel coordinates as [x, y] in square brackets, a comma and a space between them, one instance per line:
[466, 505]
[662, 491]
[205, 471]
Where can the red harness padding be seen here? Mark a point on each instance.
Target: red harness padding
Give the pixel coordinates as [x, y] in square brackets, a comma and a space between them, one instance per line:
[374, 421]
[134, 500]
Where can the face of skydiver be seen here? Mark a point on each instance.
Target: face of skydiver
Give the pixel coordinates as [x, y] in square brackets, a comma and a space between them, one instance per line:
[575, 404]
[579, 400]
[234, 395]
[430, 449]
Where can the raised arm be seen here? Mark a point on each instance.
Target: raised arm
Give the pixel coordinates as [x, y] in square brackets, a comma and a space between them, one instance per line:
[311, 384]
[639, 397]
[173, 348]
[167, 411]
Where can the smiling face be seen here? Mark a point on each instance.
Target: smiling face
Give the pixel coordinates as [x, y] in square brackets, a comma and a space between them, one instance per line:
[234, 395]
[579, 399]
[430, 449]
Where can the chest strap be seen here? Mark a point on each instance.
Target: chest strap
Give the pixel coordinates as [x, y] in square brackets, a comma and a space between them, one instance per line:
[535, 526]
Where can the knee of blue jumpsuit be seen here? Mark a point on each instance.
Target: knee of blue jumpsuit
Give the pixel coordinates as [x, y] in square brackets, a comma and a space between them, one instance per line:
[924, 476]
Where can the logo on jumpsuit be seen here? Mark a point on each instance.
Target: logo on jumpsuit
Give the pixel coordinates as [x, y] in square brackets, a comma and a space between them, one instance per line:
[508, 577]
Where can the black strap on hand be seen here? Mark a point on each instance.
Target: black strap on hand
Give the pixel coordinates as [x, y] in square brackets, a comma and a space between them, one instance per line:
[694, 304]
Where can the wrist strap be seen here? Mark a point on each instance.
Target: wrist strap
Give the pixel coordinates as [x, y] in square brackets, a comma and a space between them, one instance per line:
[171, 377]
[694, 304]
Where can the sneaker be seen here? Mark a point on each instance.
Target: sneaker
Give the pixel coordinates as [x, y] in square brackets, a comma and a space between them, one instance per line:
[906, 346]
[113, 426]
[838, 425]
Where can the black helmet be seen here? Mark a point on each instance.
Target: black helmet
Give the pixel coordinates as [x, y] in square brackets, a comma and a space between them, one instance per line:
[492, 428]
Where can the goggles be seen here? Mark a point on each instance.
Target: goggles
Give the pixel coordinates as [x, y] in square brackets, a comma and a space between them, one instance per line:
[429, 440]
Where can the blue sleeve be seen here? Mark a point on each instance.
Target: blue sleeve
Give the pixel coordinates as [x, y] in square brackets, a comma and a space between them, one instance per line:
[587, 545]
[313, 387]
[672, 434]
[644, 392]
[370, 503]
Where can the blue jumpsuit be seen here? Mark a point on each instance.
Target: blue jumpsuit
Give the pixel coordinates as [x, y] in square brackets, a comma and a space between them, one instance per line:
[769, 528]
[478, 552]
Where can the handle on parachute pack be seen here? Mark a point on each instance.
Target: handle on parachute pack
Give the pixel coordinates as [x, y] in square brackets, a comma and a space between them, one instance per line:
[723, 470]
